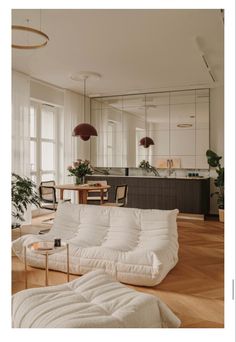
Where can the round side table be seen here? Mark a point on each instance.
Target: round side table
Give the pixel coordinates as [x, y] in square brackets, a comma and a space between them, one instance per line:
[45, 248]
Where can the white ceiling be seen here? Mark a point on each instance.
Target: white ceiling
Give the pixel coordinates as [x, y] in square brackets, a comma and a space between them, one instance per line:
[134, 50]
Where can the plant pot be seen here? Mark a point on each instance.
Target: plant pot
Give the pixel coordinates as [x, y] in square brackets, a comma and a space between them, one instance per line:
[221, 215]
[79, 180]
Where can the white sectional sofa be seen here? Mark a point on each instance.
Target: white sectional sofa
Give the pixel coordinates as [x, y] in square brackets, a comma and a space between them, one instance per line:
[135, 246]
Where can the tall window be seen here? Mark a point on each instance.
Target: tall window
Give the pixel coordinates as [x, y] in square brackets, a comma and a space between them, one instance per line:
[43, 137]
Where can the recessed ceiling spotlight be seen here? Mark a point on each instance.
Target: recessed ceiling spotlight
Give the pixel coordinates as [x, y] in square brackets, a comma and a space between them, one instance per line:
[184, 125]
[148, 106]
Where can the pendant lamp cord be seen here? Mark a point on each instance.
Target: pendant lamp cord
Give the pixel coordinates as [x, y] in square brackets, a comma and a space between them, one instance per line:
[84, 96]
[27, 36]
[145, 119]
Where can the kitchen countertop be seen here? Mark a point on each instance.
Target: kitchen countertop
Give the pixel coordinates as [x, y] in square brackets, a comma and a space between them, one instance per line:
[158, 177]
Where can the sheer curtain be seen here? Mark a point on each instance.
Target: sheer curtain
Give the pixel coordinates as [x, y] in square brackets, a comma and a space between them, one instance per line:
[21, 128]
[74, 147]
[72, 110]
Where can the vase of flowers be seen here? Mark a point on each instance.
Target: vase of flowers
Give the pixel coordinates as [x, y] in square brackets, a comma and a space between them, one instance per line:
[79, 180]
[80, 168]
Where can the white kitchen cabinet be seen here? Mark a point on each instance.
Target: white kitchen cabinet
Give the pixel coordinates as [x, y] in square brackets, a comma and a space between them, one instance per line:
[182, 142]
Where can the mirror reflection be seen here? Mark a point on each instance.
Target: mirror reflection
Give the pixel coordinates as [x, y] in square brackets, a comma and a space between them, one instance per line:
[178, 123]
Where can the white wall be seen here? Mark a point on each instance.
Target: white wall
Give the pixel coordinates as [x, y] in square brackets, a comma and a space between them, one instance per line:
[46, 93]
[216, 134]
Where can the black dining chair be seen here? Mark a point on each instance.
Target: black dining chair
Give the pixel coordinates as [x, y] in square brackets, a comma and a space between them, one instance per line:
[47, 194]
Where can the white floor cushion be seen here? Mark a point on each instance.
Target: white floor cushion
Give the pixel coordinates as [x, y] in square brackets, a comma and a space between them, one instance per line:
[92, 301]
[137, 246]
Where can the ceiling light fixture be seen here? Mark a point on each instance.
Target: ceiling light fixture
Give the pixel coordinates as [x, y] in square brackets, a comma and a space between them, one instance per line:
[30, 31]
[146, 141]
[184, 125]
[198, 44]
[84, 130]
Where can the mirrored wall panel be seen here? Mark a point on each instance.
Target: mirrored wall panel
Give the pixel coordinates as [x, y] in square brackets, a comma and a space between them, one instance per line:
[178, 123]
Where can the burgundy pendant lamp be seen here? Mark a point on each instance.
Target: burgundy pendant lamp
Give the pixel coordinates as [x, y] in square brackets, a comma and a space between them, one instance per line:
[146, 141]
[84, 130]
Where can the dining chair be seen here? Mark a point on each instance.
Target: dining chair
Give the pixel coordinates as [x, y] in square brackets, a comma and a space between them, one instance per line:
[47, 194]
[120, 196]
[94, 196]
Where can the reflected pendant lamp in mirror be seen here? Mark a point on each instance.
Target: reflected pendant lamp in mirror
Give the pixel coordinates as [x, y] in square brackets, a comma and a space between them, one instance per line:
[84, 130]
[146, 141]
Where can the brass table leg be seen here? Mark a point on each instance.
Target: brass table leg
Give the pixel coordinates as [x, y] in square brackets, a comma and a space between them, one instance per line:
[46, 269]
[26, 283]
[68, 263]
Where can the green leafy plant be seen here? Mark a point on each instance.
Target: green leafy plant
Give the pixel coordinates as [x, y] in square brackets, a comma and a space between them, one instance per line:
[147, 167]
[214, 161]
[23, 193]
[80, 168]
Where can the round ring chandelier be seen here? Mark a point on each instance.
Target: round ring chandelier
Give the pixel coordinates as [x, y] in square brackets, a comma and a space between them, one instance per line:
[32, 30]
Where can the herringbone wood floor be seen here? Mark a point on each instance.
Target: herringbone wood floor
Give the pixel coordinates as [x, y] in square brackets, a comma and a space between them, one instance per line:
[194, 289]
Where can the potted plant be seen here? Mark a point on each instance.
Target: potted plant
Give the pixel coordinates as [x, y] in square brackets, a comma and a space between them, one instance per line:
[214, 161]
[80, 169]
[144, 165]
[23, 193]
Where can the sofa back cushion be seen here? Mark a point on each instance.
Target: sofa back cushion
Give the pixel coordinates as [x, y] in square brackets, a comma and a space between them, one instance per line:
[122, 229]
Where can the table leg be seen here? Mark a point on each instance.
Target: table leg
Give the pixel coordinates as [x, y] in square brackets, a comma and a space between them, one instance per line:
[61, 194]
[102, 196]
[25, 259]
[82, 196]
[68, 263]
[79, 197]
[46, 269]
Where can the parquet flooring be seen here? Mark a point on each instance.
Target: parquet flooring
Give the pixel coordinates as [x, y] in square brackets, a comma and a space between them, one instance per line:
[194, 289]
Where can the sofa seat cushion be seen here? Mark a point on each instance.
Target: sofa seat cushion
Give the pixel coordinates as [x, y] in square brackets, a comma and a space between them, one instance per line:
[137, 246]
[92, 301]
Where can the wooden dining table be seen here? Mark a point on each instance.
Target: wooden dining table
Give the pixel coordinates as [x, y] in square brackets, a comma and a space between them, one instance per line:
[82, 191]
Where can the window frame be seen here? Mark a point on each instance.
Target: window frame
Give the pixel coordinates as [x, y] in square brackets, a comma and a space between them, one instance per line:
[39, 172]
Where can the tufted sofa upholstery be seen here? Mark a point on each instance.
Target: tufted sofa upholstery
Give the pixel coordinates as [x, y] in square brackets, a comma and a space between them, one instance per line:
[92, 301]
[135, 246]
